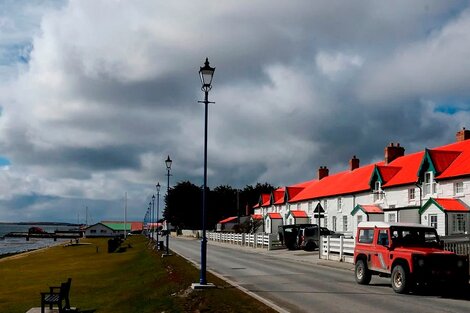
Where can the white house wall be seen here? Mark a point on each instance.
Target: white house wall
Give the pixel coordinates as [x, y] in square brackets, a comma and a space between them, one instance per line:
[434, 210]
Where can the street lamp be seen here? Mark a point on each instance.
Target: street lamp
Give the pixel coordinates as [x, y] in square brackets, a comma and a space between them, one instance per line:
[151, 219]
[158, 210]
[206, 73]
[153, 214]
[168, 162]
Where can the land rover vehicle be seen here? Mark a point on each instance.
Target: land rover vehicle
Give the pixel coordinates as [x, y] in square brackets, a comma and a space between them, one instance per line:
[411, 254]
[308, 237]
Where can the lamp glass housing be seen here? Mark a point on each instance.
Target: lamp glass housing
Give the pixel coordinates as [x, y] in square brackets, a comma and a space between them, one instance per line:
[206, 74]
[168, 163]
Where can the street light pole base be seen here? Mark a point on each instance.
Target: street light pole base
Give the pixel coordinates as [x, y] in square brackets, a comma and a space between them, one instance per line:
[198, 286]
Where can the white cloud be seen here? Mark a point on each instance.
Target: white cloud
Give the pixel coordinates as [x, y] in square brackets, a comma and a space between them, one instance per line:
[333, 65]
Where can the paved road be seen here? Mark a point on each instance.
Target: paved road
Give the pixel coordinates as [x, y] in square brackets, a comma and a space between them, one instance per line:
[297, 281]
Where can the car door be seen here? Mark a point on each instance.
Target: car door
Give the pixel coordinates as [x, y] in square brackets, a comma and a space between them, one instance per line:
[381, 255]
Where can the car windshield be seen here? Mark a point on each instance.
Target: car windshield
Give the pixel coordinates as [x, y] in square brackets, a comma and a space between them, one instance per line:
[419, 236]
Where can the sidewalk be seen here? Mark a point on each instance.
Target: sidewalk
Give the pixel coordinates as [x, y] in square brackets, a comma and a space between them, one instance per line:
[301, 256]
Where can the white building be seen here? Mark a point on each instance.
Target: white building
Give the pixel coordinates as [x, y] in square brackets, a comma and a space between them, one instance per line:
[430, 187]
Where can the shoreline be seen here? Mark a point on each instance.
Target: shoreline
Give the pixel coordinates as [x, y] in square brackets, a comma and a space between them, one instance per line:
[20, 254]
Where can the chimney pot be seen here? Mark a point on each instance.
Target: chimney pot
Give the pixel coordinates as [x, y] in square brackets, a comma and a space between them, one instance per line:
[392, 152]
[462, 135]
[353, 163]
[322, 172]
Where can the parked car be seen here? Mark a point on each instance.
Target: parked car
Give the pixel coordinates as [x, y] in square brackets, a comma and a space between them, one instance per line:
[411, 254]
[289, 235]
[308, 237]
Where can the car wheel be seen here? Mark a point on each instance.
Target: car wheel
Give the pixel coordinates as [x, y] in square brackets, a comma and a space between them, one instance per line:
[400, 279]
[363, 274]
[310, 246]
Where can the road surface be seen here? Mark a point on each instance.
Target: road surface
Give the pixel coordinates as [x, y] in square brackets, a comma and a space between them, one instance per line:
[311, 286]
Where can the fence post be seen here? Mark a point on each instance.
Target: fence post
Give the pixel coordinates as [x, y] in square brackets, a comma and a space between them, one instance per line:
[341, 248]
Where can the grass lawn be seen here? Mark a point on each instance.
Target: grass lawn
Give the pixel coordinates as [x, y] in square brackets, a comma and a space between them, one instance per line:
[138, 280]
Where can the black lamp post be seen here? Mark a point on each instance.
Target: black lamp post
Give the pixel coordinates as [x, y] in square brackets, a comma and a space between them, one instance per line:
[168, 162]
[153, 219]
[158, 210]
[206, 74]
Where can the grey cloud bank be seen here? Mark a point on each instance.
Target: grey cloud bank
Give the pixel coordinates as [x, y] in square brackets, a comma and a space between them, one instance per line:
[107, 89]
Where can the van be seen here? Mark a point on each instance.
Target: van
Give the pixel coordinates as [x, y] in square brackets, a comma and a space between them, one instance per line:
[308, 237]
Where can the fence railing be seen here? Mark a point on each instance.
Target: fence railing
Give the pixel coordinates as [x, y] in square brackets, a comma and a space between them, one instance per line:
[337, 248]
[260, 240]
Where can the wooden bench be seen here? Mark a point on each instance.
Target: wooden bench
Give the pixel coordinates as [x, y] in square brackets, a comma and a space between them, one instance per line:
[57, 296]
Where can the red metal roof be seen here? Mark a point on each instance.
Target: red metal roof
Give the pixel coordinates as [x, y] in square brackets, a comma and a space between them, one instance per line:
[278, 195]
[228, 220]
[460, 166]
[341, 183]
[408, 173]
[265, 199]
[372, 209]
[442, 159]
[298, 213]
[275, 215]
[256, 216]
[450, 161]
[453, 205]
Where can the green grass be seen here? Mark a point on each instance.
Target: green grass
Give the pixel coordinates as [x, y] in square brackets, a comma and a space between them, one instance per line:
[137, 280]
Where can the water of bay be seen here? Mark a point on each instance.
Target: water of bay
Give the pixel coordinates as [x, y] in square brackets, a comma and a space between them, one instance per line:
[9, 245]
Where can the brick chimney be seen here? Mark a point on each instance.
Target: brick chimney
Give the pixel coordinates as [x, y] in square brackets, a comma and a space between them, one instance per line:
[353, 163]
[393, 151]
[322, 172]
[462, 135]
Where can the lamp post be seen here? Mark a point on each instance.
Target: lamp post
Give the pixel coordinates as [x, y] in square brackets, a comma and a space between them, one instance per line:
[151, 219]
[168, 162]
[153, 214]
[158, 209]
[149, 213]
[206, 73]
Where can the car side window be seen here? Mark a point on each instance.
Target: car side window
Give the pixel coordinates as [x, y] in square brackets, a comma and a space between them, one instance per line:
[366, 235]
[382, 239]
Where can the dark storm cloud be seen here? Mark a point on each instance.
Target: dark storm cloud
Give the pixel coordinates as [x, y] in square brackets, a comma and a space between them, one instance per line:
[106, 97]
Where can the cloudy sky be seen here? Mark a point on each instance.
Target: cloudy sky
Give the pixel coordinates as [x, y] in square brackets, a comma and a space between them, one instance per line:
[94, 94]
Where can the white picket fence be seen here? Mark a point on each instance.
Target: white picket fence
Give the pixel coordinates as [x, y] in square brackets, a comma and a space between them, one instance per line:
[260, 240]
[337, 248]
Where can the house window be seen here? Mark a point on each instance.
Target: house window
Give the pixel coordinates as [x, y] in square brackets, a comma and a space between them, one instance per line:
[310, 207]
[359, 219]
[411, 194]
[378, 192]
[340, 204]
[93, 231]
[325, 221]
[433, 220]
[458, 188]
[325, 205]
[267, 224]
[392, 217]
[103, 231]
[333, 222]
[345, 223]
[429, 184]
[458, 223]
[298, 206]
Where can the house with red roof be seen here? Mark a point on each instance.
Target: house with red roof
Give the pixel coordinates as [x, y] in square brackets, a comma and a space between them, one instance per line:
[272, 221]
[227, 224]
[431, 187]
